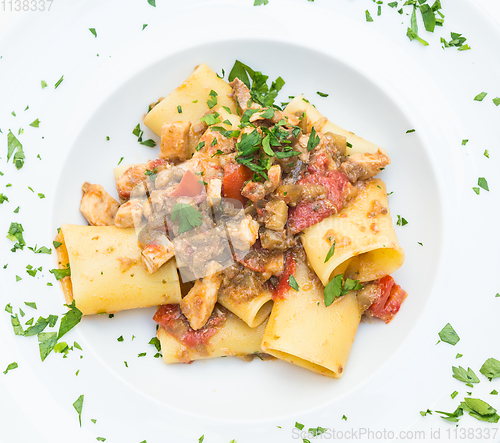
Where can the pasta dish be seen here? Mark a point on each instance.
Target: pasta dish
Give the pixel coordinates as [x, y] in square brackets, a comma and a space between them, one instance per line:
[261, 230]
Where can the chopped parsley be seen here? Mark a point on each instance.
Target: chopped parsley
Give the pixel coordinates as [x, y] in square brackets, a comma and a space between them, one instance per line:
[322, 94]
[59, 82]
[11, 367]
[482, 183]
[491, 368]
[330, 252]
[213, 99]
[466, 376]
[69, 320]
[121, 159]
[61, 273]
[14, 145]
[200, 145]
[336, 288]
[35, 123]
[260, 2]
[3, 198]
[179, 109]
[486, 153]
[480, 97]
[93, 31]
[15, 234]
[299, 426]
[448, 335]
[187, 217]
[368, 16]
[293, 283]
[410, 131]
[458, 41]
[465, 141]
[152, 3]
[78, 404]
[211, 119]
[401, 221]
[313, 140]
[496, 101]
[424, 413]
[44, 84]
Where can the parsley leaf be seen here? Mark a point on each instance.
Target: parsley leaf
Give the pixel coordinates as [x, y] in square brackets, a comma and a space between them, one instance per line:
[412, 35]
[448, 335]
[69, 320]
[401, 221]
[260, 2]
[11, 367]
[44, 84]
[491, 368]
[15, 234]
[187, 216]
[496, 101]
[322, 94]
[59, 82]
[336, 288]
[213, 99]
[211, 119]
[152, 3]
[35, 124]
[3, 198]
[293, 283]
[14, 145]
[313, 140]
[78, 404]
[466, 376]
[149, 143]
[61, 273]
[93, 31]
[480, 97]
[46, 342]
[368, 16]
[330, 253]
[482, 183]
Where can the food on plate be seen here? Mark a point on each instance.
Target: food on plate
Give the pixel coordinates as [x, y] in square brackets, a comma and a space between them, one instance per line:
[259, 230]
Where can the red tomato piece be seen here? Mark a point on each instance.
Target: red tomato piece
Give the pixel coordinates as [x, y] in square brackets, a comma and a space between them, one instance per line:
[391, 296]
[235, 177]
[188, 187]
[283, 285]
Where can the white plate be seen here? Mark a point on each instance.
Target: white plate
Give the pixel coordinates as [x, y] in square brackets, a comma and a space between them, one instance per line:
[377, 88]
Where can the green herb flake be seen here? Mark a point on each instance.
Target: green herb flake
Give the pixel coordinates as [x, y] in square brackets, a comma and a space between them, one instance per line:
[330, 252]
[35, 123]
[336, 288]
[187, 217]
[424, 413]
[465, 376]
[213, 99]
[299, 426]
[454, 394]
[11, 367]
[401, 221]
[30, 304]
[44, 84]
[142, 354]
[260, 2]
[144, 26]
[100, 439]
[293, 283]
[313, 140]
[3, 198]
[368, 16]
[322, 94]
[15, 234]
[491, 368]
[200, 145]
[46, 342]
[59, 82]
[78, 405]
[56, 244]
[412, 35]
[494, 392]
[14, 145]
[480, 97]
[476, 190]
[211, 119]
[496, 101]
[410, 131]
[152, 3]
[482, 183]
[448, 335]
[344, 418]
[465, 141]
[459, 355]
[93, 31]
[179, 109]
[486, 153]
[69, 320]
[60, 273]
[120, 338]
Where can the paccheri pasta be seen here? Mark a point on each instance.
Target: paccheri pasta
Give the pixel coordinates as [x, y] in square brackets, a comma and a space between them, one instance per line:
[258, 230]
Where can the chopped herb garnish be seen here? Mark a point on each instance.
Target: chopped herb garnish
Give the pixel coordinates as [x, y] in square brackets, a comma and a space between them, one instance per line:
[401, 221]
[152, 3]
[299, 426]
[3, 198]
[486, 153]
[44, 84]
[424, 413]
[93, 31]
[410, 131]
[260, 2]
[496, 101]
[313, 140]
[46, 342]
[120, 161]
[59, 82]
[293, 283]
[11, 367]
[322, 94]
[35, 123]
[476, 190]
[330, 252]
[149, 143]
[491, 368]
[78, 404]
[61, 273]
[368, 16]
[200, 145]
[144, 26]
[69, 320]
[14, 145]
[15, 234]
[482, 183]
[187, 217]
[466, 376]
[448, 335]
[211, 119]
[179, 109]
[480, 97]
[213, 99]
[465, 141]
[336, 288]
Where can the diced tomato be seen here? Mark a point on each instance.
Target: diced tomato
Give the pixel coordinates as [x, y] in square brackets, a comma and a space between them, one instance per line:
[235, 177]
[188, 187]
[166, 314]
[391, 296]
[283, 285]
[171, 319]
[306, 214]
